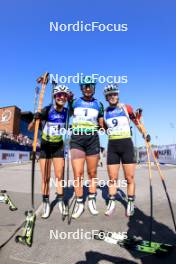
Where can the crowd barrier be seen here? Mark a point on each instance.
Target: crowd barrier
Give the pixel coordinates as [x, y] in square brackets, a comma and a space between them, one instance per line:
[165, 154]
[9, 156]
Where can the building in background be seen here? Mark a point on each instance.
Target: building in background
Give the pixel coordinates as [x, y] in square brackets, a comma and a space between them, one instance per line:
[14, 121]
[10, 119]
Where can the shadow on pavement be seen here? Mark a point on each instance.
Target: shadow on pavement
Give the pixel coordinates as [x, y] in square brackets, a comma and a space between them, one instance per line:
[138, 226]
[93, 257]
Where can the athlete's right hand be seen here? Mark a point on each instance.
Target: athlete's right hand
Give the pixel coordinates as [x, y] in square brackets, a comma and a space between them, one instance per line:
[37, 115]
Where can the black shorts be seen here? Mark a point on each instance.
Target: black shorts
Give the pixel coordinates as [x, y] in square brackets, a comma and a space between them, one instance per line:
[90, 144]
[120, 150]
[51, 150]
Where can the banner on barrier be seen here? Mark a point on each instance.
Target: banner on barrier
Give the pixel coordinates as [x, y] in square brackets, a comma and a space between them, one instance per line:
[164, 154]
[8, 156]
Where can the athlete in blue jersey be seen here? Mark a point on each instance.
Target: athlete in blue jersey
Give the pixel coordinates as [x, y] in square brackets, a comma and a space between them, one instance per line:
[117, 118]
[53, 118]
[84, 144]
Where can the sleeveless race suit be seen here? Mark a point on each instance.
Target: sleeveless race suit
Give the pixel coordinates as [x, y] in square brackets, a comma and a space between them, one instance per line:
[85, 125]
[120, 145]
[52, 138]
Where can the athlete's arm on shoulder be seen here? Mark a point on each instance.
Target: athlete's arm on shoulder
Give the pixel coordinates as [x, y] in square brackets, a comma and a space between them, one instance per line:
[101, 115]
[71, 106]
[101, 110]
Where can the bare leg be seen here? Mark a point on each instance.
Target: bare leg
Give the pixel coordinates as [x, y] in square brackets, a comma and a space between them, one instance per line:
[59, 170]
[92, 163]
[113, 172]
[129, 170]
[45, 167]
[78, 160]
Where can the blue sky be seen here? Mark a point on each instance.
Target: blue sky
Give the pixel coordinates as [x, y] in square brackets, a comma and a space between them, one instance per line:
[145, 53]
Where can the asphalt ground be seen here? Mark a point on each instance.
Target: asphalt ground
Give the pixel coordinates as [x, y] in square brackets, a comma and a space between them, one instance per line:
[53, 241]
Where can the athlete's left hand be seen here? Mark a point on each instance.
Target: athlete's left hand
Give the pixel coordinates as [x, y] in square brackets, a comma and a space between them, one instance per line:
[148, 138]
[70, 97]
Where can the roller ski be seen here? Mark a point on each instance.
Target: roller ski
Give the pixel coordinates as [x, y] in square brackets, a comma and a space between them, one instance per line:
[27, 230]
[133, 243]
[5, 198]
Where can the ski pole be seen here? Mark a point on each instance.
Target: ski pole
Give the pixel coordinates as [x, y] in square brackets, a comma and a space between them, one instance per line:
[43, 80]
[139, 115]
[68, 165]
[70, 216]
[54, 84]
[151, 191]
[66, 160]
[164, 185]
[67, 169]
[37, 89]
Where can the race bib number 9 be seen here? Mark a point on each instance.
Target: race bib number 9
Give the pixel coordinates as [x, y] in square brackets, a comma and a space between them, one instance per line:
[118, 126]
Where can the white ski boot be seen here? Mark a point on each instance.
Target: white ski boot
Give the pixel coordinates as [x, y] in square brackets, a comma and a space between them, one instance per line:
[92, 204]
[79, 208]
[130, 208]
[45, 210]
[111, 207]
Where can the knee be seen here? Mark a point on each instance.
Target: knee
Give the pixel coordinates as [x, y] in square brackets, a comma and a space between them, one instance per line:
[79, 175]
[92, 173]
[112, 177]
[130, 178]
[46, 179]
[59, 176]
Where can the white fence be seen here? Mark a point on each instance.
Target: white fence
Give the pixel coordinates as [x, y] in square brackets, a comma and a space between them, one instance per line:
[9, 156]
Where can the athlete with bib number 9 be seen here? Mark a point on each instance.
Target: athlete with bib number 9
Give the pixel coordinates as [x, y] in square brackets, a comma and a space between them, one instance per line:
[84, 144]
[117, 118]
[54, 117]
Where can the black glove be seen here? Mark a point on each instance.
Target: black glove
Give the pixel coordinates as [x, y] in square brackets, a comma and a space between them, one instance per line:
[139, 111]
[148, 138]
[37, 115]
